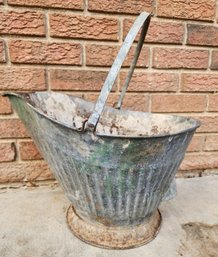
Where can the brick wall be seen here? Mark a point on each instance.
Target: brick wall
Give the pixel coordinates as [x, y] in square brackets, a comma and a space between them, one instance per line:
[69, 46]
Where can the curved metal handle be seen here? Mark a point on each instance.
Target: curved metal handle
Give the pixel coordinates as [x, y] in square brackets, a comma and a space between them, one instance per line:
[142, 20]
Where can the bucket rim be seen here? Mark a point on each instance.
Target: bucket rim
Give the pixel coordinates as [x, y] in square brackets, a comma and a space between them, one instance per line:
[37, 110]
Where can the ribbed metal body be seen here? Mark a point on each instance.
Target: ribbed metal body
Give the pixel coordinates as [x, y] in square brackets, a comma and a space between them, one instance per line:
[115, 181]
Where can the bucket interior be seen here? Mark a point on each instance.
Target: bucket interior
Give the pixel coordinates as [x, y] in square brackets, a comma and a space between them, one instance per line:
[73, 111]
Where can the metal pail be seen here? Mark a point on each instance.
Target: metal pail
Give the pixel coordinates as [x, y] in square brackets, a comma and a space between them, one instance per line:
[115, 166]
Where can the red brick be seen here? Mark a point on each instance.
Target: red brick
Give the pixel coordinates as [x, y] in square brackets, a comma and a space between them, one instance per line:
[151, 81]
[91, 97]
[213, 103]
[200, 161]
[160, 32]
[37, 171]
[204, 35]
[12, 128]
[28, 151]
[11, 172]
[85, 27]
[214, 61]
[22, 23]
[196, 144]
[25, 171]
[178, 103]
[209, 123]
[22, 51]
[2, 52]
[66, 4]
[82, 80]
[183, 9]
[104, 55]
[7, 152]
[167, 58]
[22, 79]
[211, 143]
[135, 102]
[199, 82]
[120, 6]
[5, 106]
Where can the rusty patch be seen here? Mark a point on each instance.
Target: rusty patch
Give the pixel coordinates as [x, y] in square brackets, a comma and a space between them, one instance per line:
[114, 237]
[201, 240]
[104, 221]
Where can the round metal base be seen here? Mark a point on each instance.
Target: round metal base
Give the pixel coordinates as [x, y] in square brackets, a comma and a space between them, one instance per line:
[113, 237]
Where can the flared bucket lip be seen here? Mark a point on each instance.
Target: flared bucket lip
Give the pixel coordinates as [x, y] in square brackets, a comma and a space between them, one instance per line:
[22, 95]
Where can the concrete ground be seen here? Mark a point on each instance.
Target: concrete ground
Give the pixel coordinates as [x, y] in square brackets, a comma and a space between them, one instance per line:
[32, 224]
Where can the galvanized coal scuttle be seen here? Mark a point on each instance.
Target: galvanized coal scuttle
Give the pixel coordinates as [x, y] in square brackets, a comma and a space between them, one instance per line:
[115, 166]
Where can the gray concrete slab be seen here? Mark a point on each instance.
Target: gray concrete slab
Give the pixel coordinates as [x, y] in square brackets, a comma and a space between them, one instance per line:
[32, 224]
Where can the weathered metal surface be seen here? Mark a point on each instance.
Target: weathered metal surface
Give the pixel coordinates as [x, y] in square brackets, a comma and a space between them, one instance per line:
[115, 166]
[117, 176]
[114, 237]
[171, 192]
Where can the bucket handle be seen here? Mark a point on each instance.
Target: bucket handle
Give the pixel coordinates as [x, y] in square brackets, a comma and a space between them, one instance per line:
[143, 21]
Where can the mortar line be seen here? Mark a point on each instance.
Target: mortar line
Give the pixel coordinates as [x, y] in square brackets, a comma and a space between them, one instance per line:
[85, 3]
[216, 13]
[207, 103]
[185, 37]
[149, 102]
[17, 152]
[7, 52]
[106, 68]
[210, 59]
[120, 30]
[42, 38]
[83, 57]
[48, 39]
